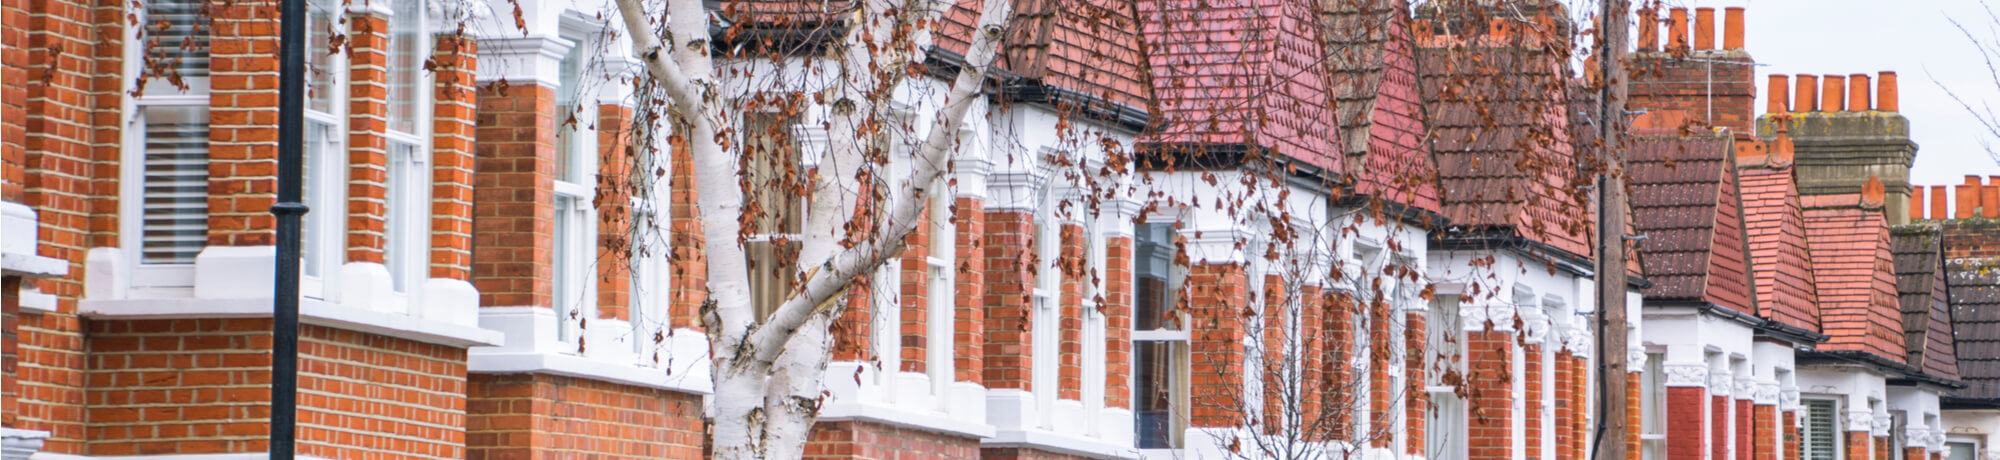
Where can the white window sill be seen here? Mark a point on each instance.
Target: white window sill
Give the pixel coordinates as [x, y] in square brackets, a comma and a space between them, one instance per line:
[1060, 443]
[506, 361]
[311, 311]
[530, 346]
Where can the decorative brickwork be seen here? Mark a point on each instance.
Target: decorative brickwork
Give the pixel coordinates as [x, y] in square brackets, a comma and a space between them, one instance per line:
[513, 416]
[864, 440]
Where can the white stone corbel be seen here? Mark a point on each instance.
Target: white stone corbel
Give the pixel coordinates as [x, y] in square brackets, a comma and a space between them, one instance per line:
[1216, 244]
[1746, 387]
[1883, 423]
[523, 60]
[1537, 325]
[1475, 318]
[1788, 399]
[1635, 358]
[1686, 374]
[971, 171]
[1016, 187]
[1766, 393]
[1719, 384]
[1860, 420]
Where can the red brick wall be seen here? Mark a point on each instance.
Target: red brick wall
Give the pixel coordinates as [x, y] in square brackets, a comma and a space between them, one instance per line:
[367, 148]
[871, 441]
[1686, 423]
[1531, 377]
[10, 349]
[1881, 447]
[969, 344]
[1726, 89]
[1490, 358]
[690, 260]
[1971, 238]
[1765, 435]
[243, 134]
[51, 379]
[1915, 453]
[1009, 300]
[1566, 403]
[915, 290]
[1069, 317]
[1718, 427]
[1743, 421]
[1381, 395]
[1788, 423]
[453, 119]
[1117, 308]
[615, 188]
[512, 416]
[1339, 333]
[1217, 293]
[1633, 422]
[13, 101]
[1858, 444]
[1024, 454]
[203, 386]
[513, 189]
[1275, 358]
[1416, 399]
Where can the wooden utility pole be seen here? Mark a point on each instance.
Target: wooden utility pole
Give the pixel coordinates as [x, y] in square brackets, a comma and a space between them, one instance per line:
[1611, 283]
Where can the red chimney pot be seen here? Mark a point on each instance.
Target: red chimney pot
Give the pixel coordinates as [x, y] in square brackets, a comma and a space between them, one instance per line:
[1885, 91]
[1807, 94]
[1704, 28]
[1777, 94]
[1732, 28]
[1833, 93]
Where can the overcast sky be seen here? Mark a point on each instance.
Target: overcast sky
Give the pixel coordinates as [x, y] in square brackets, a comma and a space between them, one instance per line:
[1914, 38]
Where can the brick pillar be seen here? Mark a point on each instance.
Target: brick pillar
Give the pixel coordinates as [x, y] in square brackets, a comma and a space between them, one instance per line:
[1788, 423]
[1858, 444]
[913, 272]
[1009, 300]
[1913, 453]
[1381, 396]
[1531, 353]
[1765, 434]
[1881, 447]
[13, 107]
[1743, 432]
[1687, 425]
[1118, 294]
[1069, 343]
[1338, 333]
[1490, 358]
[1566, 403]
[1718, 427]
[614, 211]
[1580, 393]
[852, 330]
[367, 148]
[1312, 390]
[690, 259]
[453, 120]
[1416, 400]
[10, 349]
[969, 359]
[514, 198]
[1633, 420]
[1216, 292]
[243, 143]
[1275, 357]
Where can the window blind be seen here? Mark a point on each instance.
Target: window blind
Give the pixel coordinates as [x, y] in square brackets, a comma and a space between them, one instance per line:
[174, 224]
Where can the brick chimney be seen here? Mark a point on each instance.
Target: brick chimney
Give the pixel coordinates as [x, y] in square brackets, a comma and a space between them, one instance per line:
[1714, 86]
[1842, 142]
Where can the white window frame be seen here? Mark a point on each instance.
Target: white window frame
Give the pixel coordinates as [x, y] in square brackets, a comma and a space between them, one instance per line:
[1094, 322]
[1805, 425]
[1653, 405]
[573, 293]
[173, 278]
[941, 282]
[1173, 333]
[1047, 303]
[1976, 441]
[1446, 407]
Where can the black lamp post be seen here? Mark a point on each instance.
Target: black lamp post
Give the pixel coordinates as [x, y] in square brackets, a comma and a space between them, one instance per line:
[285, 295]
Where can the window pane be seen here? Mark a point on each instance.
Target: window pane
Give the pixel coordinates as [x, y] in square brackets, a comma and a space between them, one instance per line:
[175, 220]
[1820, 431]
[177, 36]
[1160, 390]
[1962, 451]
[396, 239]
[568, 144]
[565, 289]
[406, 60]
[319, 59]
[774, 170]
[314, 187]
[1155, 260]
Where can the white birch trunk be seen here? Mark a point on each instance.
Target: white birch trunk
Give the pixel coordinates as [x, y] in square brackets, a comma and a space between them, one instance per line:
[768, 371]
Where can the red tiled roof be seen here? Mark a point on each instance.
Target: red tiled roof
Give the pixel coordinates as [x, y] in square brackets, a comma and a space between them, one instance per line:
[1920, 289]
[1778, 256]
[1684, 198]
[1241, 72]
[1855, 274]
[1374, 82]
[1502, 141]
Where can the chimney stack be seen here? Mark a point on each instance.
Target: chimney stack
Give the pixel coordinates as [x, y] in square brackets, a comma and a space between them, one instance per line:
[1776, 94]
[1677, 29]
[1916, 204]
[1649, 30]
[1833, 93]
[1989, 199]
[1857, 92]
[1807, 91]
[1704, 28]
[1940, 207]
[1885, 91]
[1732, 28]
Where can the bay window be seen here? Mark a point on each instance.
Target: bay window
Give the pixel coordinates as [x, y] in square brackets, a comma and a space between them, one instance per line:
[1159, 340]
[1047, 315]
[1444, 370]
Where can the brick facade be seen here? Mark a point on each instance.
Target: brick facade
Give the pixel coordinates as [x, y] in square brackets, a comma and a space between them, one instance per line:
[862, 440]
[536, 415]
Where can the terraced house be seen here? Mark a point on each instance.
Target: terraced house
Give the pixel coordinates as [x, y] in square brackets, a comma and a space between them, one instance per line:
[1171, 229]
